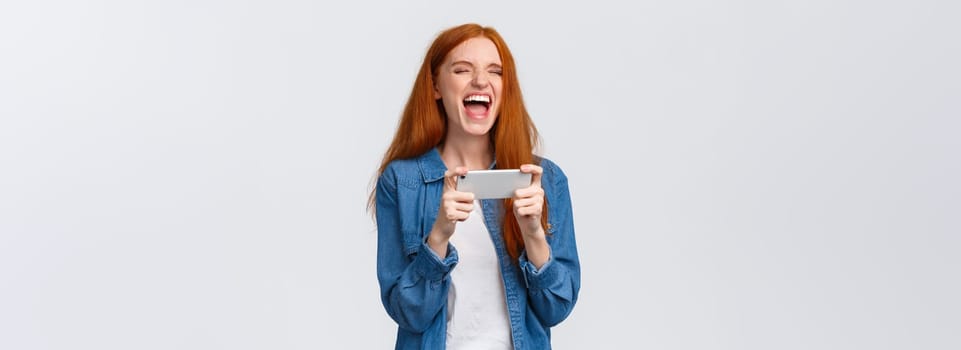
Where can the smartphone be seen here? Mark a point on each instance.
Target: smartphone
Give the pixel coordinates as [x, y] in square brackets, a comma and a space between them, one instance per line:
[493, 184]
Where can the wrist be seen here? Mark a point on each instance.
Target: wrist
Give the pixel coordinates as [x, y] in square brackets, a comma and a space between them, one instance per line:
[437, 243]
[538, 250]
[536, 233]
[437, 239]
[535, 240]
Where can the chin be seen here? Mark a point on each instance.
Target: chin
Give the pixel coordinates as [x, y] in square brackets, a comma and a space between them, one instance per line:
[477, 131]
[475, 127]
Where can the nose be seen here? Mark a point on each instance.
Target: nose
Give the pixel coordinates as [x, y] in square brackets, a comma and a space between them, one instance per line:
[480, 79]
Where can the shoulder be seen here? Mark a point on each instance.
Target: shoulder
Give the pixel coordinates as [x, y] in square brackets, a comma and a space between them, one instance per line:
[399, 172]
[400, 166]
[407, 171]
[552, 172]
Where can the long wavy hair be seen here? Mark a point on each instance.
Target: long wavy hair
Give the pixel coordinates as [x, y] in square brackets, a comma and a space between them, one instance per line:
[423, 124]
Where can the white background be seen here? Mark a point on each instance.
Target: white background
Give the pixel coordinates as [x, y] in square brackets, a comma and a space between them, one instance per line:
[745, 174]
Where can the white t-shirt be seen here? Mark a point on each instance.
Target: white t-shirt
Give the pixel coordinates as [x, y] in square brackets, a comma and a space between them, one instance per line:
[476, 306]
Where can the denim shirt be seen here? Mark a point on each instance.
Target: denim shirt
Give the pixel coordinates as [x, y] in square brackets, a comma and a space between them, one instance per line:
[414, 281]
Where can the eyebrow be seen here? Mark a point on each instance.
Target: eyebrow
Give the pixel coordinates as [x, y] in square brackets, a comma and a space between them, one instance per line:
[469, 63]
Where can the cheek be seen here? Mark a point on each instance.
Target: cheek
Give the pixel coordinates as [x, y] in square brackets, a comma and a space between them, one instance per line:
[445, 85]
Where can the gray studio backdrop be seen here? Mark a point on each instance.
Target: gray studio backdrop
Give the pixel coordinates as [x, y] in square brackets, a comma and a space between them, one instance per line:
[745, 174]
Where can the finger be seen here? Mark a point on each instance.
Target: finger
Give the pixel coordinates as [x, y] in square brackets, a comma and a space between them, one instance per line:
[535, 172]
[458, 196]
[457, 210]
[450, 181]
[461, 206]
[528, 211]
[528, 202]
[458, 207]
[528, 192]
[457, 215]
[451, 176]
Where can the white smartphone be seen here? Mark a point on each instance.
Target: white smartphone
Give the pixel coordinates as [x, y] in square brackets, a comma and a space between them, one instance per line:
[493, 184]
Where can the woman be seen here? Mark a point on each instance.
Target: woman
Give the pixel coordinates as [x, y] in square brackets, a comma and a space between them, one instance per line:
[457, 272]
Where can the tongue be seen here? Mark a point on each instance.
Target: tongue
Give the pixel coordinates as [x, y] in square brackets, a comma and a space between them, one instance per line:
[476, 109]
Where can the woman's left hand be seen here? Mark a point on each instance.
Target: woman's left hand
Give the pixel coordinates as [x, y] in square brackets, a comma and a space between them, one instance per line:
[529, 204]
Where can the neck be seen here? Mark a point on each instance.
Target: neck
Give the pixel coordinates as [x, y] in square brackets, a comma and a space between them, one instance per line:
[473, 152]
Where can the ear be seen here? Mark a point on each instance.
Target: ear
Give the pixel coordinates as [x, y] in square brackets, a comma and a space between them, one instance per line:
[436, 91]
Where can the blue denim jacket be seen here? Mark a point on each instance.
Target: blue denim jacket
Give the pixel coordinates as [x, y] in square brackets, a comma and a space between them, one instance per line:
[414, 281]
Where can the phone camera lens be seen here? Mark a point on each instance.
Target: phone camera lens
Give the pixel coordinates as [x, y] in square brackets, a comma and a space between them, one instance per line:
[462, 176]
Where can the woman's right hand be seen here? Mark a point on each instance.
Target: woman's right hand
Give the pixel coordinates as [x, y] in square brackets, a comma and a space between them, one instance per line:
[454, 207]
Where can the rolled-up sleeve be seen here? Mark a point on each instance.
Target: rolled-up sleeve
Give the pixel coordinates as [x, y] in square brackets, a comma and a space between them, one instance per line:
[552, 290]
[413, 282]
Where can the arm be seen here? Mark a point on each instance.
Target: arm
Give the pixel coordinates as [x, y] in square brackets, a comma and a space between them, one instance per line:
[413, 282]
[552, 287]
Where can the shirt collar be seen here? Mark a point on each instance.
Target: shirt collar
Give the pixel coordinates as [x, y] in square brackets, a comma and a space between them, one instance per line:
[432, 167]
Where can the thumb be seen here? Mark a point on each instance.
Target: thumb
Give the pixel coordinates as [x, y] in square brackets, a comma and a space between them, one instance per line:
[451, 176]
[535, 172]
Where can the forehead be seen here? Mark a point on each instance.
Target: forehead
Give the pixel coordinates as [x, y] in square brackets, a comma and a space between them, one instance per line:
[479, 51]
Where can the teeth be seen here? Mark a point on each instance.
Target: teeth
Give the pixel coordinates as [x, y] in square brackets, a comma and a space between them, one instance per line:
[478, 98]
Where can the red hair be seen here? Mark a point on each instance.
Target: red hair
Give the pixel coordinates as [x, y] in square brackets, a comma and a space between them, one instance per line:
[423, 124]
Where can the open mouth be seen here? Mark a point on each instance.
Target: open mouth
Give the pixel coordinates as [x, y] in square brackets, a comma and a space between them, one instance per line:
[477, 105]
